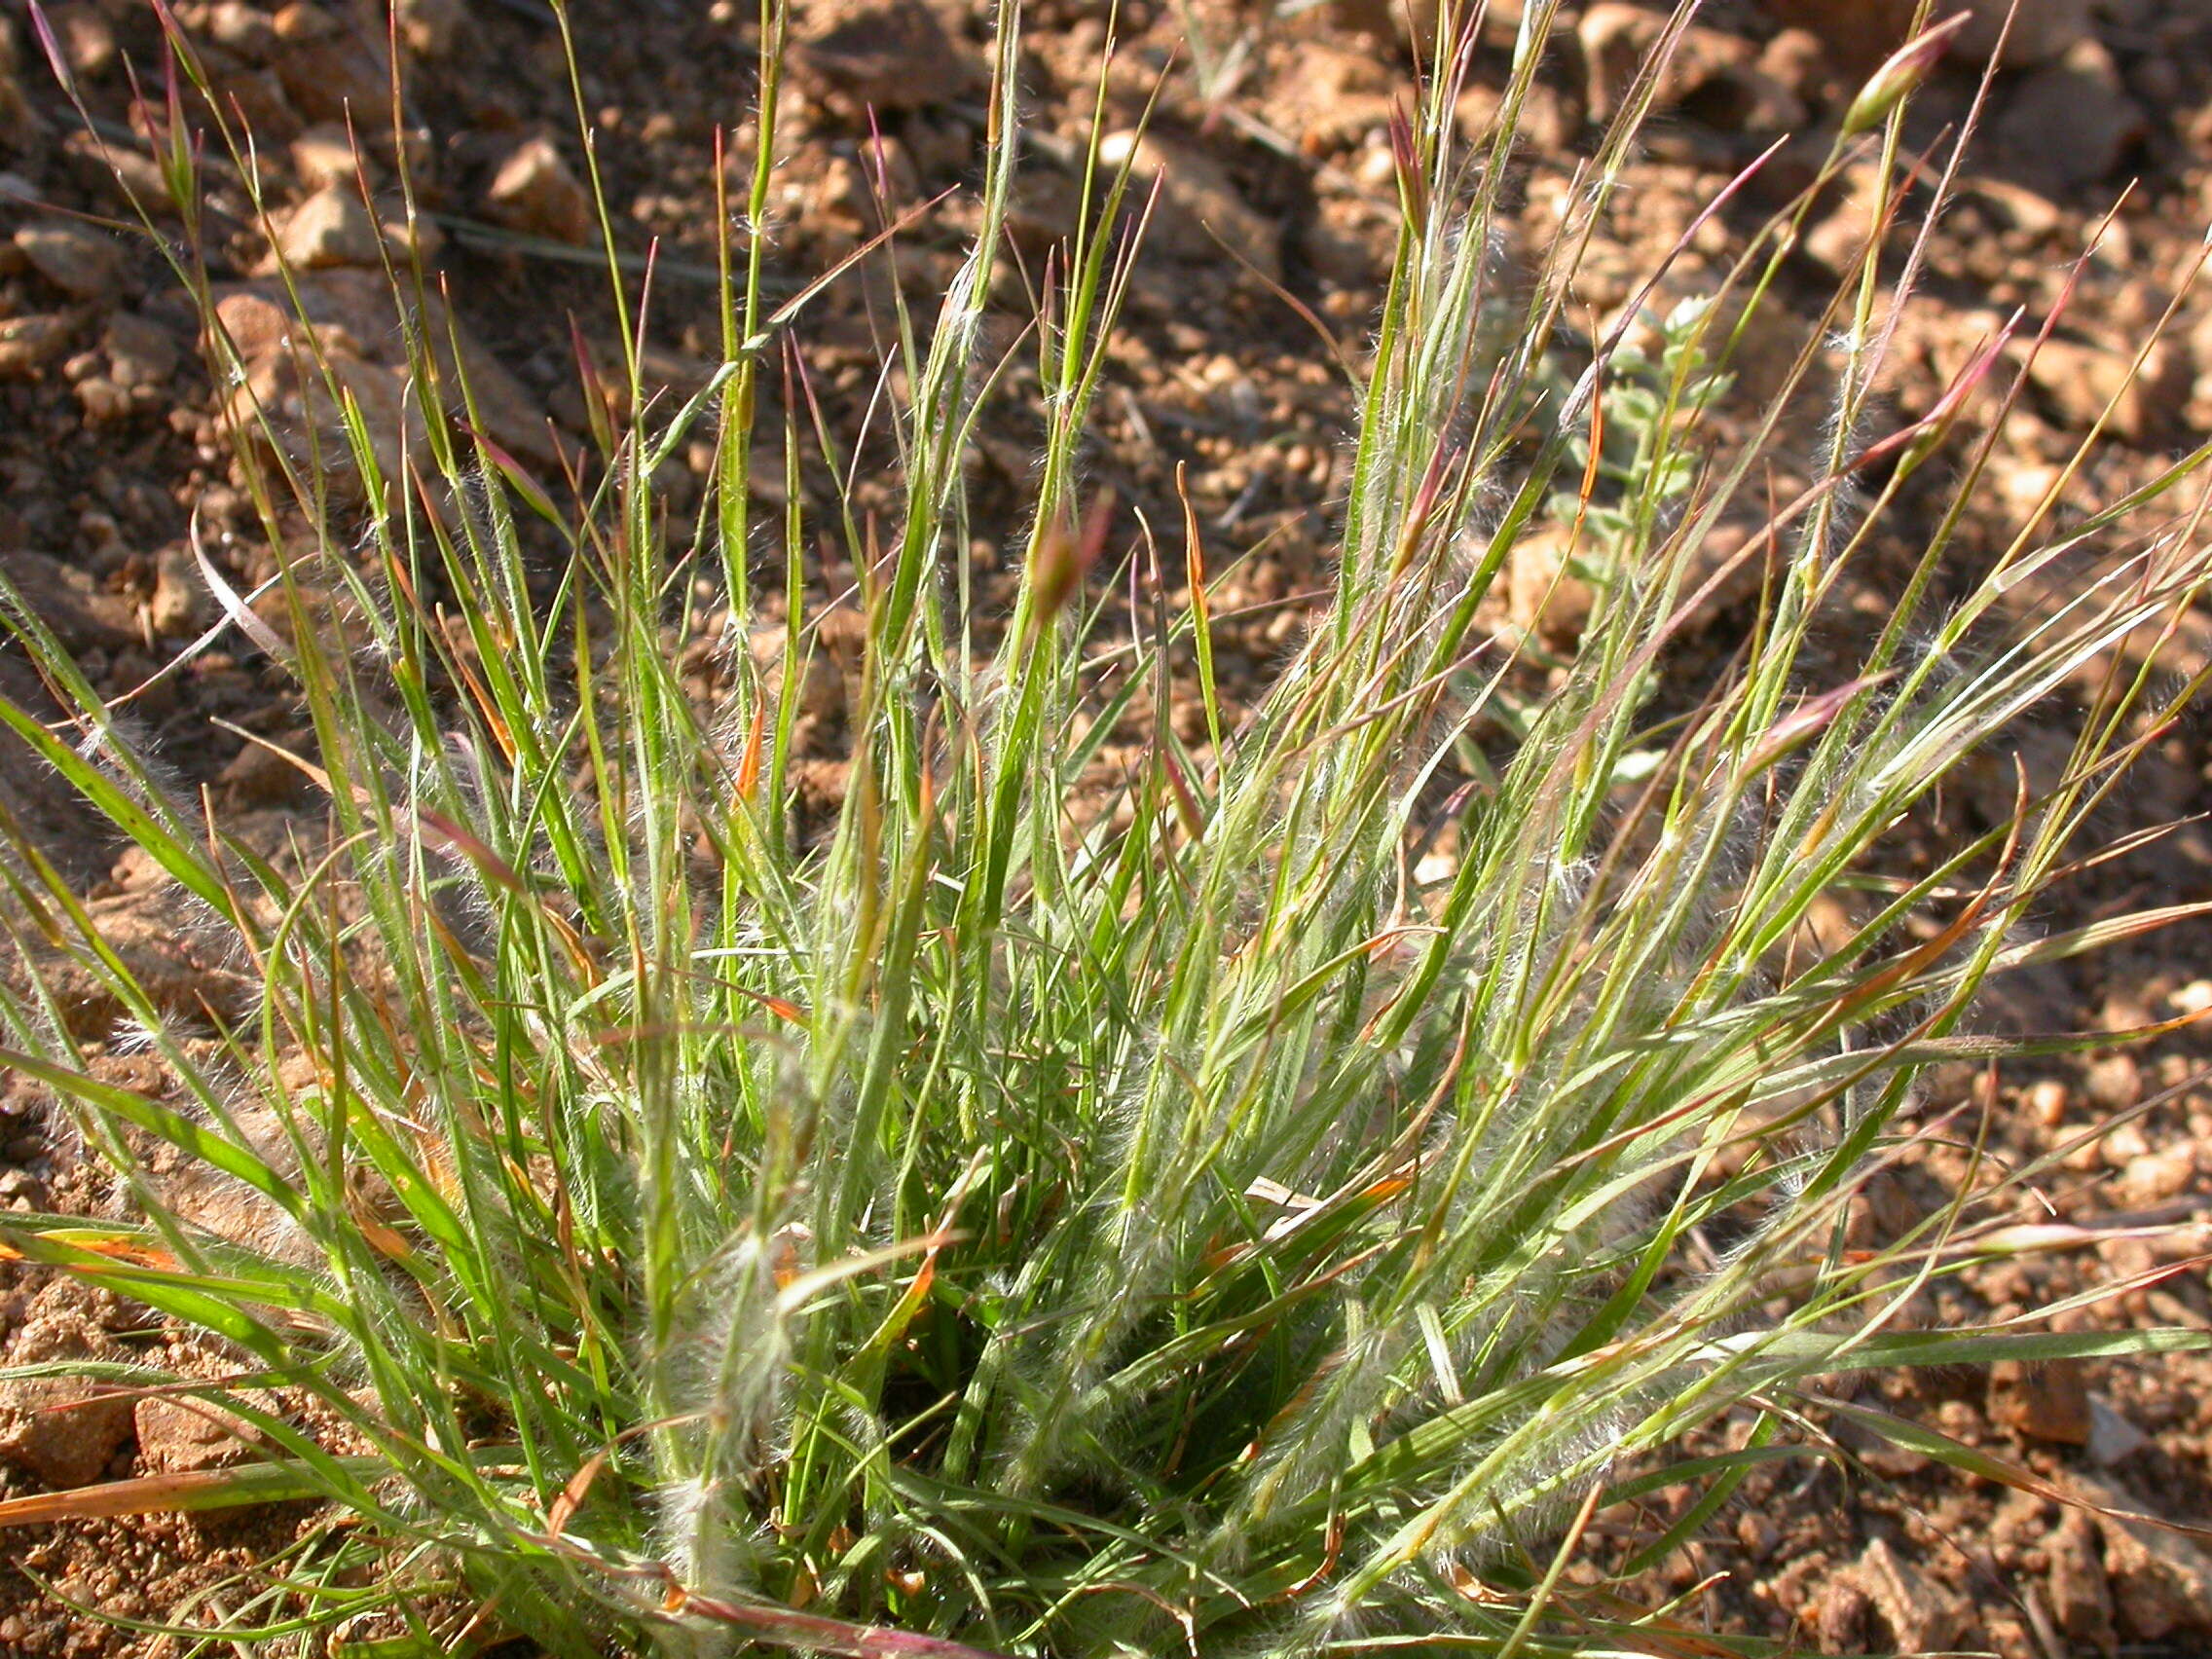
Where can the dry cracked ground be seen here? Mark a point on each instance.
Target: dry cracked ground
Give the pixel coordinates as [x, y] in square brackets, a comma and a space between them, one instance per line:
[1272, 132]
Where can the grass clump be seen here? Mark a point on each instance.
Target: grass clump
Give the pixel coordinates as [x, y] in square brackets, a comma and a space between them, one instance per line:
[1056, 1209]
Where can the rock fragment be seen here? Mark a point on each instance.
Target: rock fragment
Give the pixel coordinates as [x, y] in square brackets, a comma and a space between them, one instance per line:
[285, 403]
[1924, 1616]
[2070, 123]
[62, 1431]
[2040, 31]
[82, 614]
[1200, 213]
[2080, 1600]
[28, 344]
[2161, 1583]
[331, 227]
[1619, 38]
[2041, 1402]
[19, 124]
[2113, 1439]
[82, 262]
[141, 354]
[177, 606]
[239, 27]
[534, 192]
[1544, 592]
[885, 54]
[1861, 32]
[178, 1434]
[325, 155]
[2081, 381]
[86, 37]
[328, 67]
[431, 28]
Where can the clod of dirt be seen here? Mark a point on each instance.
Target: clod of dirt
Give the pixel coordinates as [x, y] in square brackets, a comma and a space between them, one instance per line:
[1199, 212]
[330, 68]
[1616, 38]
[62, 1431]
[431, 28]
[1923, 1615]
[1860, 32]
[28, 344]
[2070, 123]
[1337, 97]
[1840, 1616]
[2161, 1582]
[83, 263]
[181, 973]
[86, 38]
[258, 776]
[354, 316]
[239, 27]
[2042, 1402]
[141, 353]
[886, 55]
[178, 605]
[177, 1435]
[1542, 592]
[325, 155]
[2080, 1600]
[534, 191]
[82, 614]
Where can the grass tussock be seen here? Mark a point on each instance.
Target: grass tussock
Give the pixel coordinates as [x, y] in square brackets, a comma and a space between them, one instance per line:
[1058, 1208]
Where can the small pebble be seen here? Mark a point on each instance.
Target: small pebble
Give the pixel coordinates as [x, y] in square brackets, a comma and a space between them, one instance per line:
[2115, 1082]
[2047, 1100]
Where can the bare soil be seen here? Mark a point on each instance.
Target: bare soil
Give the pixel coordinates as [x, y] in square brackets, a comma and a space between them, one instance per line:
[1274, 126]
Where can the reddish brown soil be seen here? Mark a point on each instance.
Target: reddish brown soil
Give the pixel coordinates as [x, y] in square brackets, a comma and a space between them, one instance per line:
[110, 442]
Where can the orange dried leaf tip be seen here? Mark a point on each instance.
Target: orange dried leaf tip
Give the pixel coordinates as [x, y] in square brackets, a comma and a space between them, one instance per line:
[114, 1247]
[571, 1496]
[749, 763]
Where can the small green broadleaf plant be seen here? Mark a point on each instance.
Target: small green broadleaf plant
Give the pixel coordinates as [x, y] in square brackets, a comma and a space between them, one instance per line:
[1643, 471]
